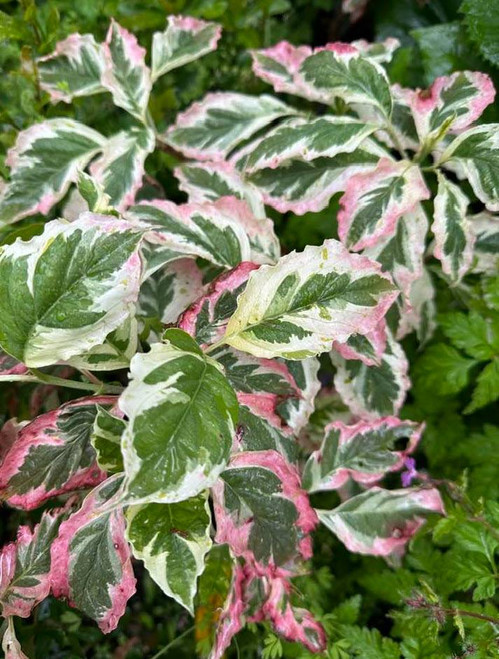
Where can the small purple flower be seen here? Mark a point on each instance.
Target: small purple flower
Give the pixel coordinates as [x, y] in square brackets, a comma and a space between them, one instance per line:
[408, 476]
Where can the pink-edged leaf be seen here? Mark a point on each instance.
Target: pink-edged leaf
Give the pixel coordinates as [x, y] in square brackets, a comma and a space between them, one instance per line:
[417, 312]
[126, 75]
[25, 567]
[381, 522]
[373, 391]
[363, 452]
[374, 202]
[231, 619]
[454, 239]
[212, 128]
[296, 411]
[279, 66]
[261, 511]
[184, 40]
[73, 69]
[53, 455]
[452, 102]
[91, 559]
[10, 366]
[10, 644]
[369, 347]
[485, 227]
[379, 51]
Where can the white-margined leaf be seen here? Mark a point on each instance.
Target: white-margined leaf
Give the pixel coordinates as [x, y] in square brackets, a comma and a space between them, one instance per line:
[452, 229]
[10, 645]
[378, 51]
[213, 127]
[373, 391]
[279, 66]
[475, 152]
[182, 413]
[126, 75]
[45, 160]
[73, 69]
[120, 168]
[297, 308]
[184, 40]
[364, 452]
[172, 539]
[416, 312]
[106, 439]
[307, 139]
[381, 522]
[485, 227]
[91, 559]
[374, 202]
[64, 291]
[91, 195]
[369, 348]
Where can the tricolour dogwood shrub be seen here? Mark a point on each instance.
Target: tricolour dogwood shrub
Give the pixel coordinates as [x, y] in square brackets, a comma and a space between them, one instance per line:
[197, 343]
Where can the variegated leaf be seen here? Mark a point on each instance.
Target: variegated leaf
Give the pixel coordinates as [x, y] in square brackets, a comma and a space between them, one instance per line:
[453, 237]
[107, 430]
[52, 455]
[172, 539]
[10, 645]
[213, 127]
[369, 348]
[25, 567]
[207, 181]
[373, 202]
[91, 561]
[62, 292]
[297, 308]
[117, 350]
[10, 366]
[120, 168]
[263, 432]
[45, 160]
[306, 140]
[373, 391]
[417, 312]
[452, 102]
[90, 195]
[224, 232]
[485, 228]
[301, 186]
[294, 410]
[476, 153]
[126, 75]
[184, 40]
[73, 69]
[381, 522]
[261, 511]
[182, 414]
[169, 291]
[363, 451]
[340, 71]
[279, 66]
[378, 51]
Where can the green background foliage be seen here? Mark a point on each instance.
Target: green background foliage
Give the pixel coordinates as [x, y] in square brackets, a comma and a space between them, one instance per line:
[369, 609]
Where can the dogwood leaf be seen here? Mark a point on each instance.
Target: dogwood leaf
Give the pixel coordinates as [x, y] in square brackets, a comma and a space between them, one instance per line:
[73, 69]
[182, 414]
[63, 291]
[297, 308]
[184, 40]
[106, 439]
[213, 127]
[381, 522]
[44, 161]
[485, 228]
[10, 644]
[91, 561]
[172, 539]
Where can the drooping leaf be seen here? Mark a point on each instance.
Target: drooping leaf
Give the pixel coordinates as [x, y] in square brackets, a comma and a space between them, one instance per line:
[418, 311]
[184, 40]
[92, 196]
[213, 127]
[10, 366]
[306, 140]
[25, 567]
[453, 237]
[73, 69]
[62, 292]
[172, 539]
[126, 75]
[10, 644]
[261, 511]
[182, 414]
[106, 439]
[340, 71]
[44, 161]
[120, 168]
[364, 452]
[373, 202]
[52, 455]
[297, 308]
[475, 151]
[485, 228]
[381, 522]
[373, 391]
[294, 410]
[91, 561]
